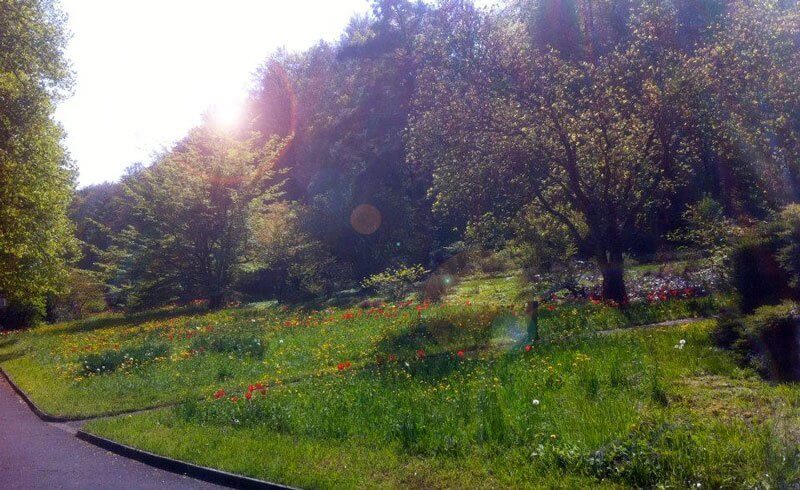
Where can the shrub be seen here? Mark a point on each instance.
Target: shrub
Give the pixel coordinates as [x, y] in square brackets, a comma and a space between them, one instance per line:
[230, 342]
[395, 283]
[437, 286]
[114, 359]
[772, 339]
[788, 231]
[756, 275]
[766, 262]
[729, 329]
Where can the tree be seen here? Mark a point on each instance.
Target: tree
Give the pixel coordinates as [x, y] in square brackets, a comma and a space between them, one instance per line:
[595, 144]
[753, 62]
[36, 177]
[192, 227]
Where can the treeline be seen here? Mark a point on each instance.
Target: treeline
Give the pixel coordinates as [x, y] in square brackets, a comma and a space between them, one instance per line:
[555, 128]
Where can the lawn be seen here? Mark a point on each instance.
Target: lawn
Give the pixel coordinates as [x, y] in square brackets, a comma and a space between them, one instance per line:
[635, 408]
[114, 364]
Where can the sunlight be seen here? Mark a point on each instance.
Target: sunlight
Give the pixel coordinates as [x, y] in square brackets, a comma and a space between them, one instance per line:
[227, 114]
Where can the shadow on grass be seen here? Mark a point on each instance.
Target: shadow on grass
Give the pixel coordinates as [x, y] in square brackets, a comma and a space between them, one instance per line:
[8, 342]
[10, 356]
[119, 320]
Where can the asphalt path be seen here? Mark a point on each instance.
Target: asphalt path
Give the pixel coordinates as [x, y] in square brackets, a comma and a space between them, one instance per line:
[35, 454]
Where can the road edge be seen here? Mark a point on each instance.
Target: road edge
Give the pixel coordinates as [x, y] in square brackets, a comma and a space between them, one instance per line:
[197, 472]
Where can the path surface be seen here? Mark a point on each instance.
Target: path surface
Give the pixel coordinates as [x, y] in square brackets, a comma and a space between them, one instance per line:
[34, 454]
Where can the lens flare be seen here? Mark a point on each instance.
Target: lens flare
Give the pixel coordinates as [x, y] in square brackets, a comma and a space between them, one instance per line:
[365, 219]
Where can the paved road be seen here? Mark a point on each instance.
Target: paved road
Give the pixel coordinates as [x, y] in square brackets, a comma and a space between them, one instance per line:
[34, 455]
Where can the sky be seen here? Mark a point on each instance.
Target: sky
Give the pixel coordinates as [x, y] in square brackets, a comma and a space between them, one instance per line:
[147, 70]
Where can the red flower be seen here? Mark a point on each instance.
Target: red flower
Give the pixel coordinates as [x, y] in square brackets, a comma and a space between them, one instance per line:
[340, 366]
[234, 399]
[550, 307]
[469, 302]
[347, 364]
[421, 353]
[248, 395]
[528, 348]
[219, 394]
[460, 353]
[392, 358]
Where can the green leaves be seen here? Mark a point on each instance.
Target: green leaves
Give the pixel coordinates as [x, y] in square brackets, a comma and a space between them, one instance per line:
[36, 176]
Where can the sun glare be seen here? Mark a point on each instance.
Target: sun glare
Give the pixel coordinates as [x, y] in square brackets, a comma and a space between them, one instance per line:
[227, 114]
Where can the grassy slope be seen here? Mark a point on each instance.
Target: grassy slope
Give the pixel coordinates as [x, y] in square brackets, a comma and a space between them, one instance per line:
[677, 417]
[47, 362]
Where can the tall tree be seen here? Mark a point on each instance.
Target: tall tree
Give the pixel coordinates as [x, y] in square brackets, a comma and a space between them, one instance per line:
[595, 144]
[192, 228]
[36, 177]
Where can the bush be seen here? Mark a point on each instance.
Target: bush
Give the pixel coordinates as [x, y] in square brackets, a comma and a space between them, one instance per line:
[437, 286]
[729, 329]
[788, 231]
[766, 262]
[112, 360]
[756, 274]
[772, 340]
[395, 283]
[230, 342]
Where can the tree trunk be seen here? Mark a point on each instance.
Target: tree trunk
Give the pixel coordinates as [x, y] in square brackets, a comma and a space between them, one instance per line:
[613, 270]
[216, 298]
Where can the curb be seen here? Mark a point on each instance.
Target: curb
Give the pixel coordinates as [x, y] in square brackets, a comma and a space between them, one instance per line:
[34, 408]
[197, 472]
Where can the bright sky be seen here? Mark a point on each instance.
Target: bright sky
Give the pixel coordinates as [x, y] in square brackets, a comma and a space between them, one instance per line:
[146, 70]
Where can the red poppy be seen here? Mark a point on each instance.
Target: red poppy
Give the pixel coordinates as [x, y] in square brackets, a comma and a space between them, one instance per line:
[340, 366]
[219, 394]
[469, 302]
[460, 353]
[421, 353]
[528, 348]
[248, 395]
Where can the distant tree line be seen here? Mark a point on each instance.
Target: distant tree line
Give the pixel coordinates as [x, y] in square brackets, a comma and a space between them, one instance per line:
[585, 125]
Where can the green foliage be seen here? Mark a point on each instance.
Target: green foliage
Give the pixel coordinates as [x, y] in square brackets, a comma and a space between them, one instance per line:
[395, 283]
[770, 340]
[192, 233]
[113, 359]
[36, 176]
[84, 295]
[288, 262]
[713, 235]
[764, 261]
[788, 255]
[240, 343]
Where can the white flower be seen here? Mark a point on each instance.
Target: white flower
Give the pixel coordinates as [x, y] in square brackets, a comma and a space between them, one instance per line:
[535, 402]
[682, 342]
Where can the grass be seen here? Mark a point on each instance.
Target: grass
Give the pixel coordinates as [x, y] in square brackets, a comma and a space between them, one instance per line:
[113, 364]
[628, 409]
